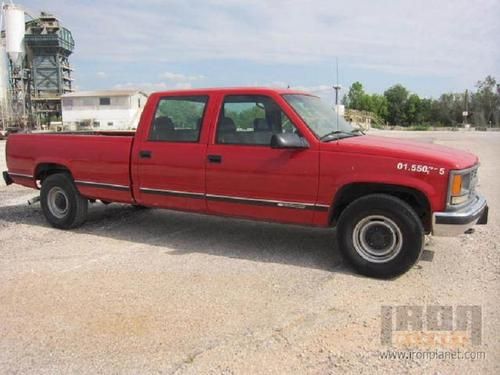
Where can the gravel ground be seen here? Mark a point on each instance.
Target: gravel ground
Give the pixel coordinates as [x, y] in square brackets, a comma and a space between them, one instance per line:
[152, 291]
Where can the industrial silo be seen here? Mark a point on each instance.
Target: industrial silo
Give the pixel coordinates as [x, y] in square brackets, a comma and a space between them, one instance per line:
[14, 33]
[5, 112]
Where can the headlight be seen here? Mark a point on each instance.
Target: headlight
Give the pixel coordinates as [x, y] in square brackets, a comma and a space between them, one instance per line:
[462, 185]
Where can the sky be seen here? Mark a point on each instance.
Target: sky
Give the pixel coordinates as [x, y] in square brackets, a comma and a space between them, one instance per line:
[429, 46]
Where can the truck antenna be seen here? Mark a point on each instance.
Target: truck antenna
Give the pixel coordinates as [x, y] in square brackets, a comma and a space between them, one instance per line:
[337, 86]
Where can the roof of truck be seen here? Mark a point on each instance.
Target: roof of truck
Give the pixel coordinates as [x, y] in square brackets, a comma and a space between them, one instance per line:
[230, 90]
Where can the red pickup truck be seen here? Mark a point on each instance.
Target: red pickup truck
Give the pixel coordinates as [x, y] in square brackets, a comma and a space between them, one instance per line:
[264, 154]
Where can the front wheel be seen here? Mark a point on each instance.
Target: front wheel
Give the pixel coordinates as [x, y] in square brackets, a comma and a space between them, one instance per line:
[380, 235]
[62, 204]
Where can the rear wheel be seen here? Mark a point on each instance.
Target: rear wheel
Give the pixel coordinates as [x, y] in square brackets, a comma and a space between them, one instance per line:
[62, 204]
[380, 235]
[140, 207]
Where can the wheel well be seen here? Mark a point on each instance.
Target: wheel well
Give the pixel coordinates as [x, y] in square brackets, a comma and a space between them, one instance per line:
[415, 198]
[46, 169]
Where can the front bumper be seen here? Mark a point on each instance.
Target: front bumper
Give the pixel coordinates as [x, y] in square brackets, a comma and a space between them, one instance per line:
[453, 223]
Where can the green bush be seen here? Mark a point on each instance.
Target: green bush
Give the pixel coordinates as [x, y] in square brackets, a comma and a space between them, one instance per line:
[422, 127]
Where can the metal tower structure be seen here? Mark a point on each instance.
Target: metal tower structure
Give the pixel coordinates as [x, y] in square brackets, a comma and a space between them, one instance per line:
[48, 48]
[38, 67]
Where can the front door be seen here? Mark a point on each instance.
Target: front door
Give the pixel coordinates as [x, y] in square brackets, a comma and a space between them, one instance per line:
[246, 177]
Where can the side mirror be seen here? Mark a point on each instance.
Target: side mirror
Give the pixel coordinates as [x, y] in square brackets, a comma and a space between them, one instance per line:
[288, 140]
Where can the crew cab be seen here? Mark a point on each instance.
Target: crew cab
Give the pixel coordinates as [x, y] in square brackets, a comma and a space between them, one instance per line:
[263, 154]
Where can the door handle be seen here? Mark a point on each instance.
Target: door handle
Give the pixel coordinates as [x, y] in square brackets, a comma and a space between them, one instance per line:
[145, 154]
[214, 158]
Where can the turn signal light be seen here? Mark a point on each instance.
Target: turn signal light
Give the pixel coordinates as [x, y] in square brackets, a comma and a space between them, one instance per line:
[456, 185]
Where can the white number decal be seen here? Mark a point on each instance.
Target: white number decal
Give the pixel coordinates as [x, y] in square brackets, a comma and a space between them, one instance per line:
[419, 168]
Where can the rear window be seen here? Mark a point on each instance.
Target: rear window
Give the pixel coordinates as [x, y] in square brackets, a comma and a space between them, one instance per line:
[178, 119]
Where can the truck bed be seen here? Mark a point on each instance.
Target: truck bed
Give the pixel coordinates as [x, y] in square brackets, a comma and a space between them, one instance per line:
[99, 160]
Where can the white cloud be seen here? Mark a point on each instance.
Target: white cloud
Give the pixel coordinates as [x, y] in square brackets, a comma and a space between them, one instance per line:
[143, 86]
[101, 75]
[277, 84]
[451, 38]
[183, 86]
[180, 78]
[153, 86]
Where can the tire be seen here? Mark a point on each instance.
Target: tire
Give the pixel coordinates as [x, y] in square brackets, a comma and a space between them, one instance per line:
[380, 236]
[140, 207]
[62, 204]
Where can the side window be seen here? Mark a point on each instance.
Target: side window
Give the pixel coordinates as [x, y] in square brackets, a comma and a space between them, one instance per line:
[251, 120]
[178, 119]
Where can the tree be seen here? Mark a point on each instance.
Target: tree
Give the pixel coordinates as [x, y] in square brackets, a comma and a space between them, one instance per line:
[398, 107]
[358, 99]
[396, 97]
[355, 96]
[486, 102]
[425, 107]
[447, 110]
[412, 110]
[379, 106]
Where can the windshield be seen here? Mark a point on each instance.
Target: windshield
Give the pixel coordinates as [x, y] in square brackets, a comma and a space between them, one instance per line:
[321, 118]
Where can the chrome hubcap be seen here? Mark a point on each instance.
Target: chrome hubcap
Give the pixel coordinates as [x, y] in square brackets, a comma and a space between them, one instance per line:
[58, 203]
[377, 239]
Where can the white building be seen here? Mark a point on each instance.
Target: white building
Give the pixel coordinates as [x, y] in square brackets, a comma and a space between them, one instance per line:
[102, 110]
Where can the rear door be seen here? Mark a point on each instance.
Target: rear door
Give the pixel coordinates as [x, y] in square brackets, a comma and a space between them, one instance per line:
[169, 161]
[248, 178]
